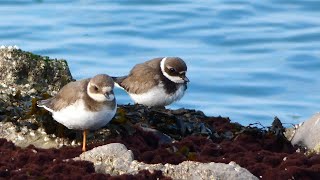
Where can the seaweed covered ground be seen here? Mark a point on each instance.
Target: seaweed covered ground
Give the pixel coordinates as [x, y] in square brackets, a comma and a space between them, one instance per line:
[171, 136]
[35, 163]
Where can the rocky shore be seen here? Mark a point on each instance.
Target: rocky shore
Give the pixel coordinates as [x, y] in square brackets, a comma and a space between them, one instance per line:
[140, 142]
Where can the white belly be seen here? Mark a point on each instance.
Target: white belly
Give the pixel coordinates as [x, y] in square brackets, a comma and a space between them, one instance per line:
[157, 96]
[76, 116]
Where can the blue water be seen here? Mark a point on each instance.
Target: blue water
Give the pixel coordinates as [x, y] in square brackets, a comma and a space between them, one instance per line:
[248, 60]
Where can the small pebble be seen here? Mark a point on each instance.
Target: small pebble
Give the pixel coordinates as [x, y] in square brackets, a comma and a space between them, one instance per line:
[20, 138]
[73, 143]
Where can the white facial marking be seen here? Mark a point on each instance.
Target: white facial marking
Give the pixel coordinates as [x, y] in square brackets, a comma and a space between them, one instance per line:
[106, 89]
[158, 97]
[76, 116]
[99, 97]
[175, 79]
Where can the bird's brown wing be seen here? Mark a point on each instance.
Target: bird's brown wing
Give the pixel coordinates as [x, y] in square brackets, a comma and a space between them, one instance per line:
[68, 95]
[142, 77]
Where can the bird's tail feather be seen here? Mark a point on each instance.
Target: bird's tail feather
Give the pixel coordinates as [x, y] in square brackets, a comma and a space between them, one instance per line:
[44, 104]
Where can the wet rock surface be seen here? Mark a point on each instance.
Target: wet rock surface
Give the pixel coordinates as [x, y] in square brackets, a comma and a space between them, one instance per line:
[155, 137]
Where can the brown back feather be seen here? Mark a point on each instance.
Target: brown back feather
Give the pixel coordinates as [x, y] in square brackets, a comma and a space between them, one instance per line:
[68, 95]
[143, 76]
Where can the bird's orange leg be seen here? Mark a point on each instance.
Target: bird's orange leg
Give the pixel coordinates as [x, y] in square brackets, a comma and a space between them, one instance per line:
[84, 140]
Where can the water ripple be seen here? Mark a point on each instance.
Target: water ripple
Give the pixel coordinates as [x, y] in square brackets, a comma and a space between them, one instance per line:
[250, 60]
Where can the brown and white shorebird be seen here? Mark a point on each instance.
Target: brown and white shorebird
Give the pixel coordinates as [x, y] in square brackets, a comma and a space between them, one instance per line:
[157, 82]
[87, 104]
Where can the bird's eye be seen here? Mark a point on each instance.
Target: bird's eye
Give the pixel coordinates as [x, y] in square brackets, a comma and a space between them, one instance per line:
[172, 70]
[96, 88]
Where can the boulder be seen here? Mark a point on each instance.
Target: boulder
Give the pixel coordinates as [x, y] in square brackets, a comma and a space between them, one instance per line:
[307, 134]
[24, 78]
[30, 73]
[24, 75]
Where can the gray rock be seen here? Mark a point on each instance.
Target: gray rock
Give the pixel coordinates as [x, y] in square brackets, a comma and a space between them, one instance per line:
[308, 133]
[289, 132]
[105, 157]
[116, 159]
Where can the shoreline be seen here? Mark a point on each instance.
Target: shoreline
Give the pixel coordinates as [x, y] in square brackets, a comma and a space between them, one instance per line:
[181, 135]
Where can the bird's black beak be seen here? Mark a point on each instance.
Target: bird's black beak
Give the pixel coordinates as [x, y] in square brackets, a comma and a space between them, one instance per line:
[185, 79]
[106, 95]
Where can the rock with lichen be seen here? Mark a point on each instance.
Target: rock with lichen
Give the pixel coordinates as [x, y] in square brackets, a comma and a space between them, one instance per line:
[30, 73]
[24, 75]
[24, 78]
[23, 136]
